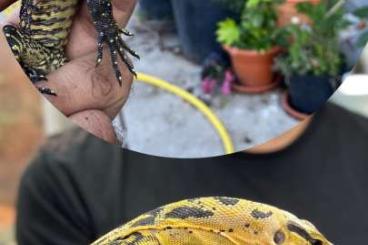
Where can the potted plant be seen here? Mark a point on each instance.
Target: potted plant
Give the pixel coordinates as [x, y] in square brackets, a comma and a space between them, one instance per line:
[253, 43]
[196, 25]
[156, 9]
[287, 11]
[312, 63]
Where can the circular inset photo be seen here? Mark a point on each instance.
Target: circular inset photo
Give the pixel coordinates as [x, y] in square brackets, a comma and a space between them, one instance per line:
[186, 79]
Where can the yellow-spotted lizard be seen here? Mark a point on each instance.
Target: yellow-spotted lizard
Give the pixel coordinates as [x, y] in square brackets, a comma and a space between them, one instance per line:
[215, 221]
[39, 42]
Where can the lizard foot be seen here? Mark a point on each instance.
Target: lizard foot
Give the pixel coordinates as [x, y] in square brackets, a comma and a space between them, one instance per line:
[37, 76]
[109, 33]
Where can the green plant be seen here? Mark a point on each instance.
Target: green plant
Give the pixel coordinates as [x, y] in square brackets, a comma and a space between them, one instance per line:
[257, 28]
[314, 49]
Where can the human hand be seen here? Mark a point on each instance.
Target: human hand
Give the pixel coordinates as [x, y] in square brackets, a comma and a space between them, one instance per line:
[80, 86]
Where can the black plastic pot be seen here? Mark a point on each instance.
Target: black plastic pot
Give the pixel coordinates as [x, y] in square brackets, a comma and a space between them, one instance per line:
[196, 22]
[308, 93]
[156, 9]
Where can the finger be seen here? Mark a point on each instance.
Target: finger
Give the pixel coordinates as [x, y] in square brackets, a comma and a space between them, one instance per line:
[81, 86]
[6, 3]
[123, 10]
[97, 123]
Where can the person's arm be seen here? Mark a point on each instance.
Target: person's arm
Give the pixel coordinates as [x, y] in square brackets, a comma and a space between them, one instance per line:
[50, 209]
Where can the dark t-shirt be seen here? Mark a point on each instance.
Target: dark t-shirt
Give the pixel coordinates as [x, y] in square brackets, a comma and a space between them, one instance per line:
[79, 187]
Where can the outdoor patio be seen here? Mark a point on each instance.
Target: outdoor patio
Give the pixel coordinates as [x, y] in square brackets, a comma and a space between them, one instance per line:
[160, 123]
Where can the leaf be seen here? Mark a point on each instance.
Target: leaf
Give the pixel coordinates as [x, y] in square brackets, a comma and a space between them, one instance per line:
[228, 32]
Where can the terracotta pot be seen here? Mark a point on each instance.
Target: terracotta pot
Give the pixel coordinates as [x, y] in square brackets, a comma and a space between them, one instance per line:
[287, 11]
[253, 68]
[285, 102]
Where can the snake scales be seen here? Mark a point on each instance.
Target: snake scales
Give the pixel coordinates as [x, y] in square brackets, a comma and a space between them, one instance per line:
[215, 220]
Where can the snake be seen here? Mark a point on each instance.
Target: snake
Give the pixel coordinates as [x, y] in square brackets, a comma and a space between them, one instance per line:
[215, 221]
[39, 42]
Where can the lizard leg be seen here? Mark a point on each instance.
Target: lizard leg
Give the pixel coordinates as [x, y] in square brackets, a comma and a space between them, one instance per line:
[110, 33]
[17, 44]
[38, 76]
[34, 74]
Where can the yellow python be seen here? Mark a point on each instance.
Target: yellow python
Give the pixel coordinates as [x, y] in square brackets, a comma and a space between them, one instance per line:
[215, 220]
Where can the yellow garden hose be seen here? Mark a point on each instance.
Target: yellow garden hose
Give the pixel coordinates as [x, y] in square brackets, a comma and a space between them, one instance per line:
[197, 103]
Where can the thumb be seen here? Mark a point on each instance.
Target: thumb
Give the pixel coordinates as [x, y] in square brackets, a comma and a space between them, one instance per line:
[123, 9]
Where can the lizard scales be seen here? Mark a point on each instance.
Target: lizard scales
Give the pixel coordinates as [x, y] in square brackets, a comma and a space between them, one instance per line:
[215, 221]
[39, 42]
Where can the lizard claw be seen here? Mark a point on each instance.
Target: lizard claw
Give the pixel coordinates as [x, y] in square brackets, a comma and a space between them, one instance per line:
[126, 32]
[48, 91]
[118, 48]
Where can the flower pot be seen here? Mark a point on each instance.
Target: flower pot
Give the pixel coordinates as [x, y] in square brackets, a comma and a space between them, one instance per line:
[156, 9]
[308, 93]
[254, 69]
[287, 11]
[196, 23]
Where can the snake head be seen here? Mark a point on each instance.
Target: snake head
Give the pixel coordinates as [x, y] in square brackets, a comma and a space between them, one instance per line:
[300, 233]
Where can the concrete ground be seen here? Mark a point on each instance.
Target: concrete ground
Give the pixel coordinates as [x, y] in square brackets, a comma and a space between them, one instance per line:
[162, 124]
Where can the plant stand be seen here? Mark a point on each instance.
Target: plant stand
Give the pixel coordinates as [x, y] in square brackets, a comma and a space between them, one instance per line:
[241, 88]
[290, 110]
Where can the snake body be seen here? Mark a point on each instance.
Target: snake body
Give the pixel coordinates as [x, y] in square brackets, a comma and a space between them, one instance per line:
[39, 42]
[215, 220]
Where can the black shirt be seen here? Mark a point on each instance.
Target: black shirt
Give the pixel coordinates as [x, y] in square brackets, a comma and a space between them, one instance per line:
[79, 187]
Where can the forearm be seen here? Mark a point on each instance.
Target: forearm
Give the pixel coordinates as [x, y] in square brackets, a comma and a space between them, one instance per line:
[97, 123]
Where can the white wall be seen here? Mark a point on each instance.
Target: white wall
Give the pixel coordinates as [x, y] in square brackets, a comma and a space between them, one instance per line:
[353, 94]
